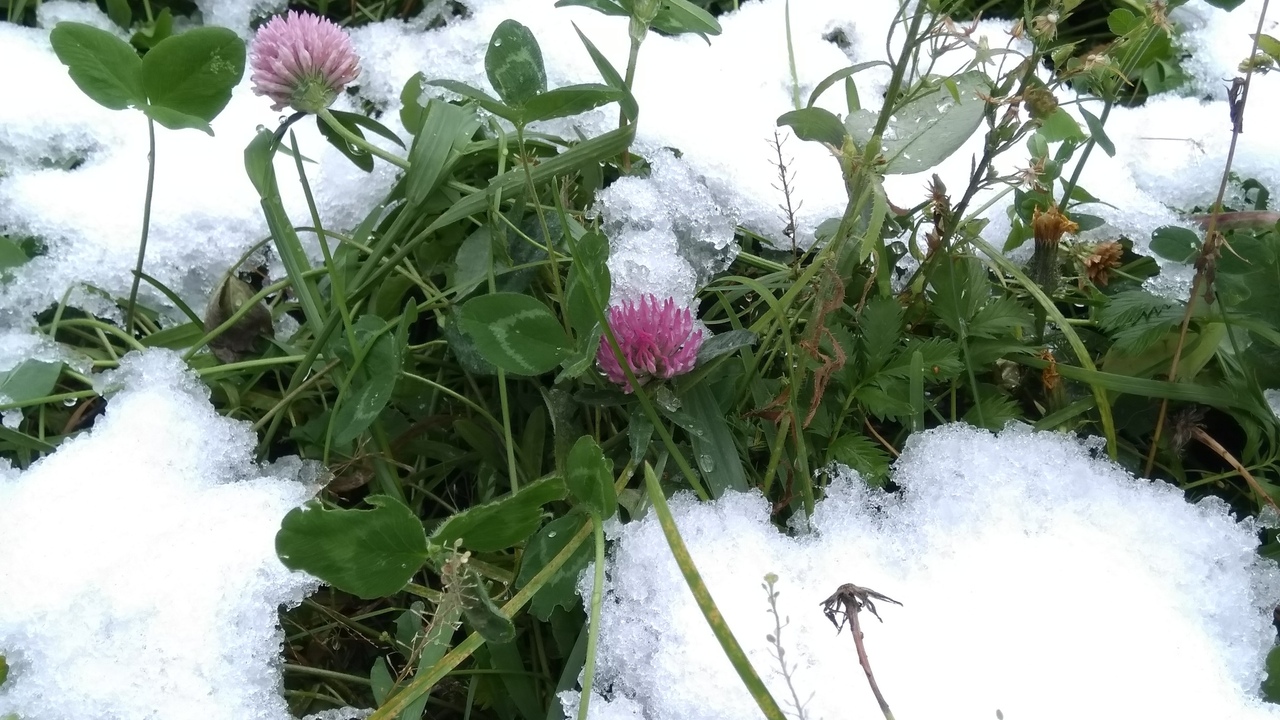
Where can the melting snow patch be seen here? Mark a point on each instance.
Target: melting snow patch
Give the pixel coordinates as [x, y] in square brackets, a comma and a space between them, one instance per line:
[139, 565]
[1036, 578]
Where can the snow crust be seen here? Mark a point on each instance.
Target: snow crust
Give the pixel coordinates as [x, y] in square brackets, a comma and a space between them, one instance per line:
[1036, 579]
[139, 571]
[73, 175]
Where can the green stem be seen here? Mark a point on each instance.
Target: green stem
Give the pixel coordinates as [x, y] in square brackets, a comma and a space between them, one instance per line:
[899, 70]
[335, 278]
[728, 643]
[546, 232]
[593, 628]
[146, 223]
[424, 681]
[360, 142]
[791, 60]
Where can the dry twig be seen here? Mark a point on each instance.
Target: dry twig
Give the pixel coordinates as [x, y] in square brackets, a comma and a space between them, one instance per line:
[843, 606]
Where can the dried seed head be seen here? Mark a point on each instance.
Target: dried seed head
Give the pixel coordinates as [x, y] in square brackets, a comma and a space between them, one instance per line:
[1101, 260]
[1049, 227]
[1039, 102]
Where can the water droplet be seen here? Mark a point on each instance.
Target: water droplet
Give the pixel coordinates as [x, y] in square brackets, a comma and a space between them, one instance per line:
[551, 534]
[706, 463]
[497, 43]
[69, 402]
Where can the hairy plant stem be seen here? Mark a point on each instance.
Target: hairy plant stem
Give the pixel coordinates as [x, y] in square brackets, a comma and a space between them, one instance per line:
[593, 627]
[1210, 247]
[146, 224]
[728, 643]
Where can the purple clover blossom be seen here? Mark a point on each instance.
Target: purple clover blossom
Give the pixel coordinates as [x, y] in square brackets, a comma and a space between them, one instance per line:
[658, 341]
[302, 60]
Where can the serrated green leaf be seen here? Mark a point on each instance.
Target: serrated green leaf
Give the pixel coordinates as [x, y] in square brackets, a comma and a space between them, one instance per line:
[1137, 320]
[861, 454]
[514, 65]
[880, 326]
[941, 358]
[515, 332]
[194, 73]
[502, 523]
[992, 411]
[956, 292]
[368, 553]
[102, 65]
[999, 318]
[589, 477]
[885, 398]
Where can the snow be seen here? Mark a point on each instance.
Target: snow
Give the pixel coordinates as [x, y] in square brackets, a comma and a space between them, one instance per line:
[139, 565]
[74, 176]
[1035, 577]
[715, 104]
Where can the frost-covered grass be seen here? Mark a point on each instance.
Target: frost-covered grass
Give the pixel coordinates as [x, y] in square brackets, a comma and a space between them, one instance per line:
[304, 411]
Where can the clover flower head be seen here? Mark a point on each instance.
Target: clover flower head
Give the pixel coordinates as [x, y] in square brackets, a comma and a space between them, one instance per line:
[657, 340]
[302, 61]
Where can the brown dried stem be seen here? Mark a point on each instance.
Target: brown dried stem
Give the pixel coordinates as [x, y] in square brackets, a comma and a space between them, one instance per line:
[1205, 265]
[844, 605]
[1222, 452]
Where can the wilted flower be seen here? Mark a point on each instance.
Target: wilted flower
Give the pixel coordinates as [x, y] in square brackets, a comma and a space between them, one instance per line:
[1049, 227]
[658, 341]
[1102, 259]
[302, 60]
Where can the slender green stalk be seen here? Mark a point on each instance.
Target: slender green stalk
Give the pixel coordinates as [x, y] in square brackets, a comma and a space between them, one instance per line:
[546, 231]
[1073, 338]
[146, 224]
[335, 277]
[791, 60]
[357, 141]
[593, 628]
[706, 603]
[424, 681]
